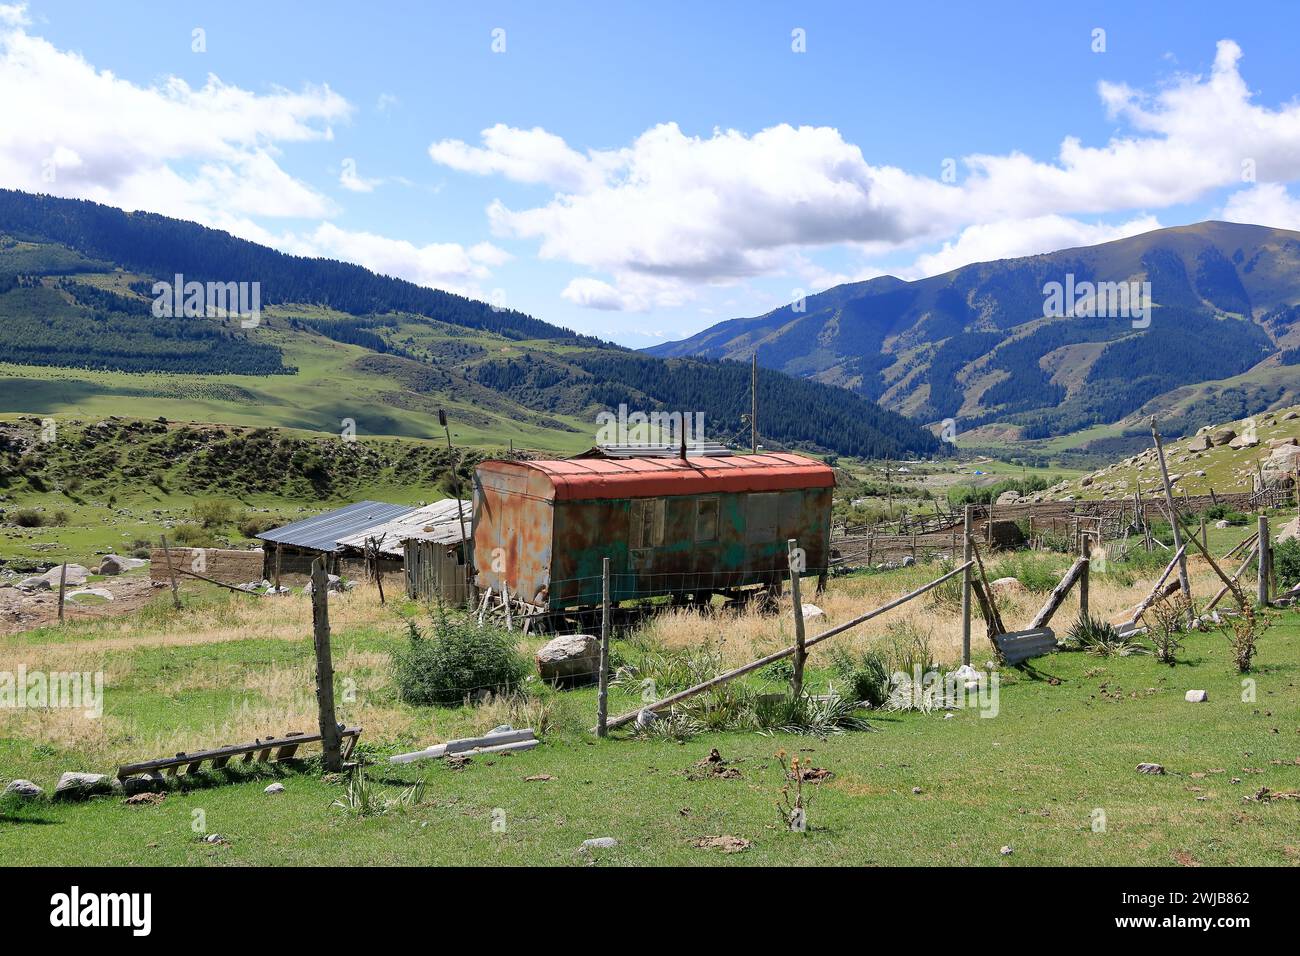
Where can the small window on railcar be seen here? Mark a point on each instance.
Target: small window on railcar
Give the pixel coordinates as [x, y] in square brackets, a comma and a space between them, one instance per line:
[646, 523]
[706, 519]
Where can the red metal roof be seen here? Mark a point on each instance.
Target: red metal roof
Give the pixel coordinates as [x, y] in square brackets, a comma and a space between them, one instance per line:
[652, 477]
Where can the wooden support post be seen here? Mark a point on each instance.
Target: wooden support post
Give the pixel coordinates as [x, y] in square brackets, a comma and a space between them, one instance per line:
[1183, 579]
[1085, 554]
[171, 573]
[800, 655]
[1205, 537]
[331, 744]
[1265, 562]
[602, 697]
[965, 589]
[63, 588]
[277, 566]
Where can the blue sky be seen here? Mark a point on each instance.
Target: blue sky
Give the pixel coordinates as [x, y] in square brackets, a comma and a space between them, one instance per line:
[657, 168]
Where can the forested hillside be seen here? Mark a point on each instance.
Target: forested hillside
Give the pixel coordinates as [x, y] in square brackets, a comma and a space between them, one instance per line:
[336, 343]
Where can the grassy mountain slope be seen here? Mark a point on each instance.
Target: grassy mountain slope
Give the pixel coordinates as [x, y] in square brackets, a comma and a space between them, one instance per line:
[974, 344]
[340, 347]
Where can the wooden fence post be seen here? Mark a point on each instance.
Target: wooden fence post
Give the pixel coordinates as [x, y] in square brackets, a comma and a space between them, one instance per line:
[331, 744]
[171, 572]
[1085, 552]
[63, 587]
[277, 566]
[965, 589]
[800, 655]
[1265, 561]
[602, 698]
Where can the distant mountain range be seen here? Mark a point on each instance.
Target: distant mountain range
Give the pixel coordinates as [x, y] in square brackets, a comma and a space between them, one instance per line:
[975, 344]
[338, 344]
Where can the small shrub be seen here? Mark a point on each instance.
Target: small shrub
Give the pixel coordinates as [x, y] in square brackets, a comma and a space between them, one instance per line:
[865, 674]
[1099, 637]
[1243, 633]
[1034, 573]
[1165, 620]
[454, 658]
[193, 536]
[28, 518]
[213, 512]
[1286, 562]
[251, 525]
[907, 648]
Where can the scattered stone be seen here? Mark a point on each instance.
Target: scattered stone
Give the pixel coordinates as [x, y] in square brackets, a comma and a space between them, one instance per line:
[117, 564]
[538, 778]
[274, 788]
[1222, 437]
[598, 843]
[25, 789]
[1221, 524]
[726, 843]
[1196, 697]
[811, 612]
[571, 658]
[908, 561]
[34, 584]
[99, 593]
[78, 786]
[215, 839]
[146, 783]
[1006, 851]
[916, 790]
[1154, 768]
[645, 718]
[1007, 586]
[1199, 444]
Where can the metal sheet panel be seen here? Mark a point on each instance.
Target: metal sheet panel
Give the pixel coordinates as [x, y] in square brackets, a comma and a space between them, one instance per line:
[322, 532]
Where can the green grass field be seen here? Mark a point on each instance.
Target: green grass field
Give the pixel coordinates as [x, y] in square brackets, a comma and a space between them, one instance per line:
[1040, 776]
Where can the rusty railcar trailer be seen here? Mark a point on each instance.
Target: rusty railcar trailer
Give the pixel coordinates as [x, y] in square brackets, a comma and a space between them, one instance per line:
[676, 529]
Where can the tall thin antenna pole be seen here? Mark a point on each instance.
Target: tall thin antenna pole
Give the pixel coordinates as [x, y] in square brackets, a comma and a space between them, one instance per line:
[753, 406]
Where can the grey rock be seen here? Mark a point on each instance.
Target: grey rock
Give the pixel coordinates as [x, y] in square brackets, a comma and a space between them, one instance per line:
[34, 584]
[571, 658]
[599, 843]
[25, 789]
[274, 788]
[1196, 697]
[1153, 768]
[77, 786]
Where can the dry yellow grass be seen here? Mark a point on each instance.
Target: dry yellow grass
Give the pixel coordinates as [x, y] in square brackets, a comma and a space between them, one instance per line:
[748, 635]
[259, 700]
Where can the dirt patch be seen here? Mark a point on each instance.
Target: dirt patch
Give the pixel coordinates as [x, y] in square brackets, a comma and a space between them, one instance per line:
[27, 610]
[726, 843]
[713, 766]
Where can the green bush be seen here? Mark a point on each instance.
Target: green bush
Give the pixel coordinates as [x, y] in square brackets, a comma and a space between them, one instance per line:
[28, 518]
[1286, 562]
[455, 657]
[866, 674]
[1031, 571]
[193, 536]
[213, 512]
[251, 525]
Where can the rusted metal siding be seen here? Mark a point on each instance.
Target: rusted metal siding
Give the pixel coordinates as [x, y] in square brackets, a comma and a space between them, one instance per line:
[550, 552]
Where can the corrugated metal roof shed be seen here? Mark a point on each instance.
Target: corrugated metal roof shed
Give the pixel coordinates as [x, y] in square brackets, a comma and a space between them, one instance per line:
[322, 532]
[435, 522]
[578, 478]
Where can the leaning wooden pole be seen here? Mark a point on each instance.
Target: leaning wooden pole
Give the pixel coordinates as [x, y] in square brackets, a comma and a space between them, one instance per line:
[1250, 556]
[331, 741]
[1057, 597]
[1183, 580]
[1157, 592]
[783, 653]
